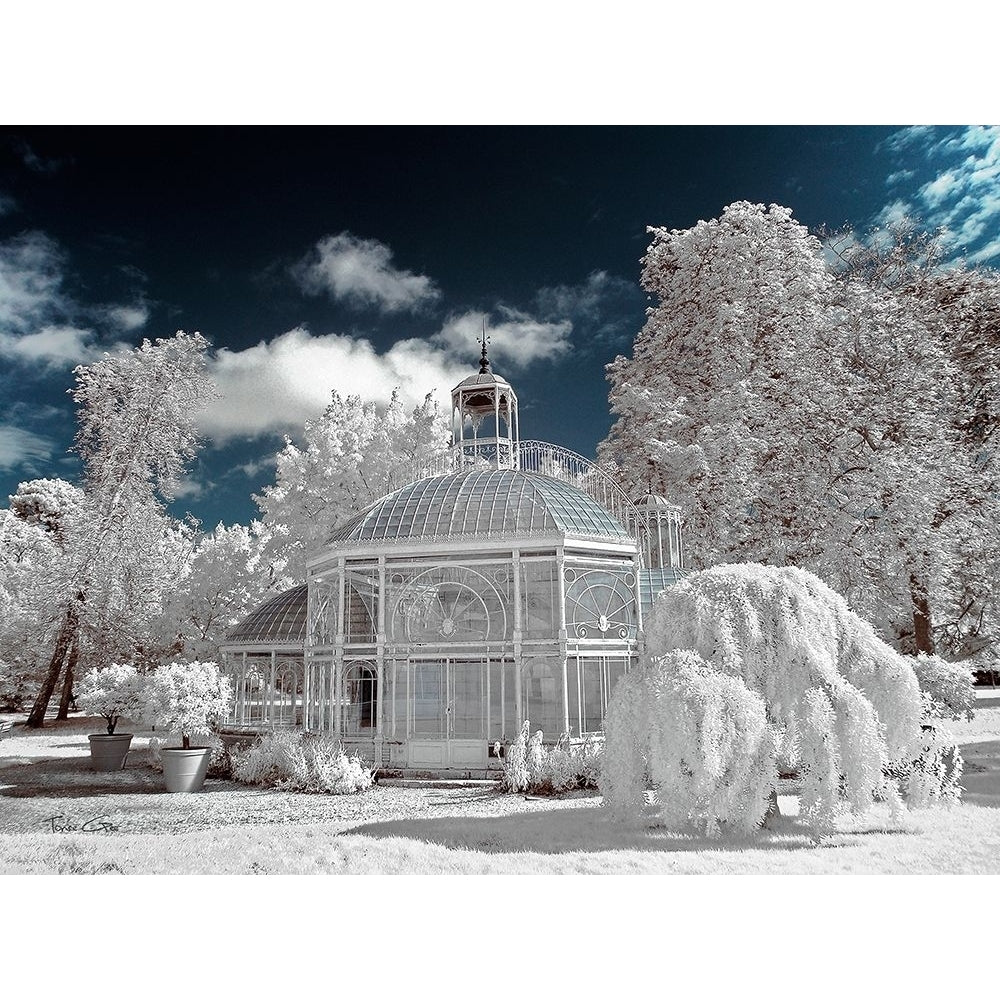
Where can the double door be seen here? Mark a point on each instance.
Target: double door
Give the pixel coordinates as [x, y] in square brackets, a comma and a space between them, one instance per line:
[447, 712]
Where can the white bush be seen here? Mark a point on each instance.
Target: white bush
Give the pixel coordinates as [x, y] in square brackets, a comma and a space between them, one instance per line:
[187, 698]
[950, 685]
[301, 763]
[530, 766]
[848, 707]
[700, 737]
[113, 692]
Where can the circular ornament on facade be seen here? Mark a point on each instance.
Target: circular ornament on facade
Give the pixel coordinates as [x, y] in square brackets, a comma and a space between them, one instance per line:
[569, 575]
[629, 579]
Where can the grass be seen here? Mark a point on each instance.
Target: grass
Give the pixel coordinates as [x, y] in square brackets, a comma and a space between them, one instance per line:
[58, 816]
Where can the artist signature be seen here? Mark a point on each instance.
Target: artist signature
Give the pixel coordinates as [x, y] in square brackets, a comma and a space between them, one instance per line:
[63, 824]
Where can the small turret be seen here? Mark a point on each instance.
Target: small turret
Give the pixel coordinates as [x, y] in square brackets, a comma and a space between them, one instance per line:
[484, 423]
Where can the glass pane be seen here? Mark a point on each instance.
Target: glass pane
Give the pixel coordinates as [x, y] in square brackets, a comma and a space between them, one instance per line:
[360, 699]
[427, 698]
[593, 702]
[468, 701]
[503, 713]
[539, 600]
[543, 696]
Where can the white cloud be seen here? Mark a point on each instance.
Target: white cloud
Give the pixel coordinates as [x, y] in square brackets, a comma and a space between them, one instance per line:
[52, 346]
[943, 186]
[277, 385]
[128, 318]
[20, 447]
[516, 337]
[361, 272]
[38, 318]
[186, 488]
[962, 194]
[30, 281]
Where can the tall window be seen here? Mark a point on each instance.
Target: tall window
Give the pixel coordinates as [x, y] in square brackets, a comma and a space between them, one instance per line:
[360, 700]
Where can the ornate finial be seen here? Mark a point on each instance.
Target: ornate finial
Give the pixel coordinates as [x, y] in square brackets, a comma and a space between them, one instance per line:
[484, 362]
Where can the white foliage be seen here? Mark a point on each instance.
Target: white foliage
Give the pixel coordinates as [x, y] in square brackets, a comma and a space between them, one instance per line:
[934, 776]
[113, 692]
[530, 766]
[950, 686]
[187, 698]
[301, 763]
[784, 632]
[845, 708]
[353, 455]
[845, 423]
[701, 737]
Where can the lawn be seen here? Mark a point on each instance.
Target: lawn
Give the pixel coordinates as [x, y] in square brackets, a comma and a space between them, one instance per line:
[58, 816]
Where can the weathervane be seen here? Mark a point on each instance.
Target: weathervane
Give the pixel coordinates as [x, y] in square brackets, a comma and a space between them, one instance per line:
[484, 362]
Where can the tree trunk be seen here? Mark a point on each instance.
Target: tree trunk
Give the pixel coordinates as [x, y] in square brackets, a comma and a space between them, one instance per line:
[67, 691]
[67, 634]
[923, 640]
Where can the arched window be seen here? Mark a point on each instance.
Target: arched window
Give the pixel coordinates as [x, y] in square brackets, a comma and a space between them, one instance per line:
[360, 699]
[600, 604]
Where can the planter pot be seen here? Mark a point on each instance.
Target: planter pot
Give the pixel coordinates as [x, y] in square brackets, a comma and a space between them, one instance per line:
[184, 770]
[107, 753]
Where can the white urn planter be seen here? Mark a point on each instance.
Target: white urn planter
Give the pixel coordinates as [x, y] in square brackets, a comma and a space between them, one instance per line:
[184, 770]
[108, 752]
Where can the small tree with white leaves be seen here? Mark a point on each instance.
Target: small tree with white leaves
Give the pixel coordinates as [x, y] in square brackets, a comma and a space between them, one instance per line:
[187, 698]
[113, 692]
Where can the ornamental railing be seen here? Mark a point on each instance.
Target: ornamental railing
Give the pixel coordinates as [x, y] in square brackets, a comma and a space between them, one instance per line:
[569, 467]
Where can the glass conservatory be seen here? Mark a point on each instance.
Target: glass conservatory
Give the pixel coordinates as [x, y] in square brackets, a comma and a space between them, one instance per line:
[511, 586]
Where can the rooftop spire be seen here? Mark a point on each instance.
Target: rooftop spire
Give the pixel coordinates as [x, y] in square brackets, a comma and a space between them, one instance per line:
[484, 362]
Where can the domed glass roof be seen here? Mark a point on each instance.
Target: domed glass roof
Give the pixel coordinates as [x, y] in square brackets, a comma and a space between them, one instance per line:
[281, 619]
[482, 503]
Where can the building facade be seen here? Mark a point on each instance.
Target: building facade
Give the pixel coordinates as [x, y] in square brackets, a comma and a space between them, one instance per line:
[511, 586]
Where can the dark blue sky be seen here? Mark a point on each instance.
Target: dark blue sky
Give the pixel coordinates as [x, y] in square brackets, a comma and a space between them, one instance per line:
[360, 259]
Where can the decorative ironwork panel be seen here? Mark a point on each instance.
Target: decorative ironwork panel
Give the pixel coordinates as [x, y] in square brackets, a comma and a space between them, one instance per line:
[600, 604]
[449, 603]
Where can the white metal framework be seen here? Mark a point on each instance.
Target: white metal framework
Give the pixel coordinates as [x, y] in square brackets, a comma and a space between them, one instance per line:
[508, 585]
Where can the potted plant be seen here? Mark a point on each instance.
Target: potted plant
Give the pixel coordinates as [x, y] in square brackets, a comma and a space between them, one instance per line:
[186, 699]
[113, 692]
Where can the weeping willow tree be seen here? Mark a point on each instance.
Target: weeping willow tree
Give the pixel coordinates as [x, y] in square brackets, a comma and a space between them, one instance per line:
[752, 670]
[136, 434]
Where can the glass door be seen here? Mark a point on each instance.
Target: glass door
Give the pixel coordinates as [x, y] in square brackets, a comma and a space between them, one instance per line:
[428, 699]
[467, 699]
[448, 699]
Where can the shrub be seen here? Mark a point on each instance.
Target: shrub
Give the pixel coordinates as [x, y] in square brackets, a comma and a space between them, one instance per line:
[950, 686]
[187, 698]
[14, 693]
[530, 766]
[113, 692]
[700, 737]
[848, 707]
[301, 763]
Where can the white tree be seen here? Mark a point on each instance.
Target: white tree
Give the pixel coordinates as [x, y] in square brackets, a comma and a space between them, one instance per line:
[353, 455]
[703, 738]
[46, 522]
[723, 405]
[227, 574]
[848, 707]
[136, 415]
[829, 418]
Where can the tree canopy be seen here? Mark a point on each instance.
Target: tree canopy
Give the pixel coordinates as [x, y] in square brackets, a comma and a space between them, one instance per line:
[829, 405]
